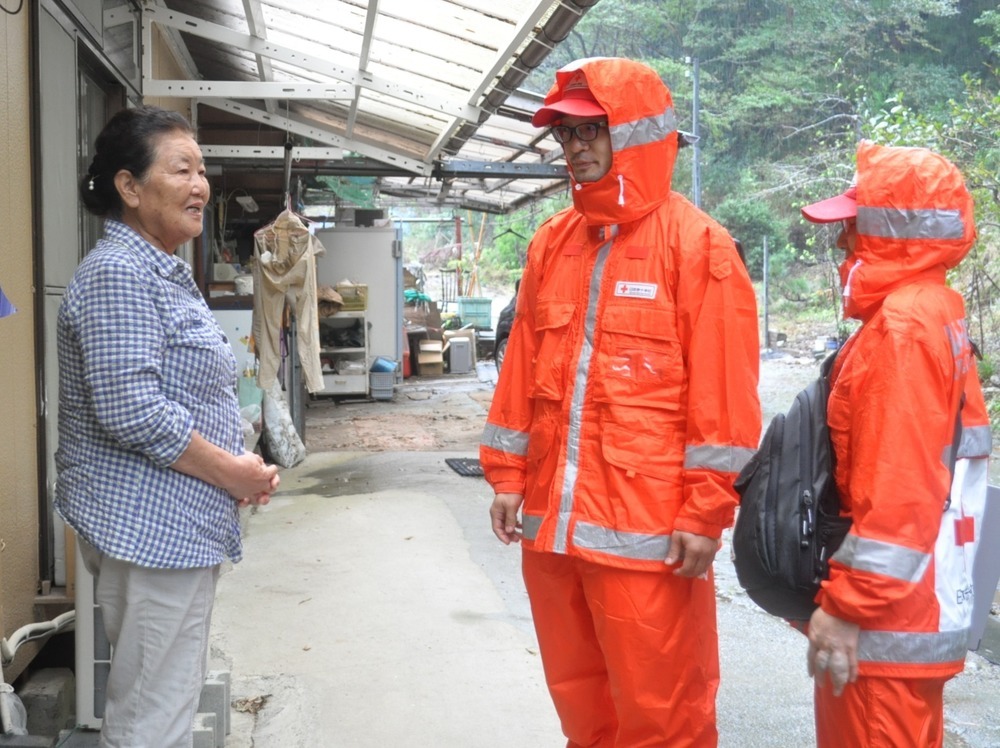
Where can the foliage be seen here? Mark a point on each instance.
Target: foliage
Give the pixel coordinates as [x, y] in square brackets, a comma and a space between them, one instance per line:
[786, 90]
[354, 191]
[990, 22]
[783, 84]
[966, 134]
[438, 240]
[752, 222]
[986, 368]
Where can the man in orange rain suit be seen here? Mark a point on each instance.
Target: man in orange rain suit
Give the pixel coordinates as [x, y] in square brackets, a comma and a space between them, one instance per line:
[626, 407]
[892, 626]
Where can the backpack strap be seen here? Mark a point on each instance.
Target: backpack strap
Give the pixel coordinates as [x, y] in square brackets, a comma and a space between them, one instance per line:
[826, 368]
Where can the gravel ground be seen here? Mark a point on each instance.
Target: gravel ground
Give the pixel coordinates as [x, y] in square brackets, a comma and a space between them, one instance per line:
[448, 413]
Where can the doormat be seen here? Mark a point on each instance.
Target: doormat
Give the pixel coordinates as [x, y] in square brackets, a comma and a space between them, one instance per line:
[465, 466]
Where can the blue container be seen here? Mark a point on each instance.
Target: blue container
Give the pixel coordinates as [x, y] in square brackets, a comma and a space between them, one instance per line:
[383, 364]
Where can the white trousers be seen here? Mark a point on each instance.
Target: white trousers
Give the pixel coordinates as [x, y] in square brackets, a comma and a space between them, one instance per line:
[157, 621]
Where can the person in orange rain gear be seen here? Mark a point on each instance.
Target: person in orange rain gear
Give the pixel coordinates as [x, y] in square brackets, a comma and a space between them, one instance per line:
[893, 621]
[626, 406]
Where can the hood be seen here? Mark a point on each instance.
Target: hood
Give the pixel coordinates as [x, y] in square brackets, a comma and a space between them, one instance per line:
[915, 219]
[643, 130]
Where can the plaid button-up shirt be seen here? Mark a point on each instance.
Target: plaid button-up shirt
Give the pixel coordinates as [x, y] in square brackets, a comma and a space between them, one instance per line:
[143, 363]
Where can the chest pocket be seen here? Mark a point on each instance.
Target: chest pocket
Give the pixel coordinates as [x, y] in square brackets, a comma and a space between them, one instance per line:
[639, 358]
[552, 330]
[197, 359]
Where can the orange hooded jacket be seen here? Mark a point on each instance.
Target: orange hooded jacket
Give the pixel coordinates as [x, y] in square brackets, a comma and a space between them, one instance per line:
[904, 571]
[628, 398]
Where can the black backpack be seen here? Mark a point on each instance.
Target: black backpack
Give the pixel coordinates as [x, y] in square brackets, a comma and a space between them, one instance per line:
[789, 522]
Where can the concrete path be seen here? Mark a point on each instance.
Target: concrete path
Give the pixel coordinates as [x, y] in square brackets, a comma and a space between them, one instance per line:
[372, 610]
[375, 609]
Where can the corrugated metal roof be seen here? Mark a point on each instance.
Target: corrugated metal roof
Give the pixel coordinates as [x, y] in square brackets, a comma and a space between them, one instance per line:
[422, 95]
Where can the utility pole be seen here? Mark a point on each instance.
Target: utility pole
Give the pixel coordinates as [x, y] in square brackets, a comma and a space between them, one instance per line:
[767, 333]
[696, 147]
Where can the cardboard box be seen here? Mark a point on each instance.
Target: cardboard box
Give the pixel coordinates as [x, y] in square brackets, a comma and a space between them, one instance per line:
[431, 369]
[430, 358]
[431, 350]
[424, 314]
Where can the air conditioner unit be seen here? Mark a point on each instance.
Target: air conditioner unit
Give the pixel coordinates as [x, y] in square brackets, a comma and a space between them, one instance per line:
[93, 651]
[93, 668]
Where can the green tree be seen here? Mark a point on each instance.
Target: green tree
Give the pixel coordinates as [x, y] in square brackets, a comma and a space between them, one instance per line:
[965, 134]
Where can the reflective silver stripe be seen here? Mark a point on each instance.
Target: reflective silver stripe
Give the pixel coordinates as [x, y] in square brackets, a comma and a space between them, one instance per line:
[530, 525]
[621, 544]
[957, 335]
[898, 223]
[643, 131]
[723, 459]
[909, 647]
[505, 440]
[977, 441]
[576, 404]
[880, 557]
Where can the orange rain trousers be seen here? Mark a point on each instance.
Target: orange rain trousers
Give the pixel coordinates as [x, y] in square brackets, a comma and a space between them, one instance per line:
[631, 658]
[882, 713]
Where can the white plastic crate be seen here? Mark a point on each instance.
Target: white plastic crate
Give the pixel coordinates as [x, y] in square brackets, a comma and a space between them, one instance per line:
[381, 384]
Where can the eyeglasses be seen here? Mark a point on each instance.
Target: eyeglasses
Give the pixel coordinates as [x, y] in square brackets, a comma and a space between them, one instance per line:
[585, 132]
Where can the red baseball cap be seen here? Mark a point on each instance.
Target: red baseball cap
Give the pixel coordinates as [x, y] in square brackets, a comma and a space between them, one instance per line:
[576, 101]
[834, 208]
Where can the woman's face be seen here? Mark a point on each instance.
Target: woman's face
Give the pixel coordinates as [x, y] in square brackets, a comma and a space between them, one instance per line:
[167, 206]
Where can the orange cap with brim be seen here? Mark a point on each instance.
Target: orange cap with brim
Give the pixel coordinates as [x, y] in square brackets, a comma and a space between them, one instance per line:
[576, 101]
[834, 208]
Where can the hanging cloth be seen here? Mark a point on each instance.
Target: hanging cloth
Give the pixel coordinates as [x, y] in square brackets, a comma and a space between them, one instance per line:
[285, 267]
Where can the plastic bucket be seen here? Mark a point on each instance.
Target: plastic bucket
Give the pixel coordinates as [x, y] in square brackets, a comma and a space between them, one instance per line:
[383, 364]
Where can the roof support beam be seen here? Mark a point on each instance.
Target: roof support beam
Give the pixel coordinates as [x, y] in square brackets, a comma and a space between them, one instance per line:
[310, 63]
[366, 48]
[334, 161]
[276, 152]
[496, 169]
[458, 201]
[526, 28]
[172, 39]
[352, 167]
[548, 159]
[258, 29]
[295, 126]
[245, 90]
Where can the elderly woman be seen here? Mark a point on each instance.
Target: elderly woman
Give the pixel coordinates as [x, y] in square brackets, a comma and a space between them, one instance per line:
[151, 464]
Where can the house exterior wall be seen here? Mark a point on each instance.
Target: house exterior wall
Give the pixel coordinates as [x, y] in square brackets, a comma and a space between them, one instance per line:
[165, 67]
[21, 464]
[19, 457]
